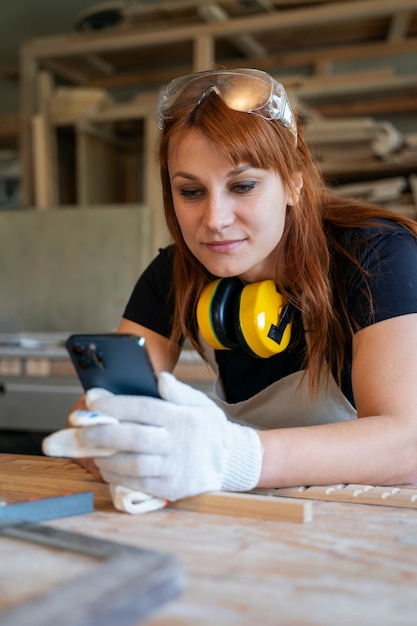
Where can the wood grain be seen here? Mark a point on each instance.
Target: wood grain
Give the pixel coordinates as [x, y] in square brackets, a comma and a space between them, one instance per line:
[351, 565]
[50, 476]
[25, 476]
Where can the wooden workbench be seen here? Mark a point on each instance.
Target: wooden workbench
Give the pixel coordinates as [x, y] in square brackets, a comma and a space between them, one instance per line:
[353, 564]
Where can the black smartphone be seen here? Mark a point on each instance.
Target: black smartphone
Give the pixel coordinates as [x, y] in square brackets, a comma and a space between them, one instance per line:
[113, 361]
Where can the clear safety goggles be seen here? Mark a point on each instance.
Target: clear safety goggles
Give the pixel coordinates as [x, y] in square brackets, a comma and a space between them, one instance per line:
[246, 90]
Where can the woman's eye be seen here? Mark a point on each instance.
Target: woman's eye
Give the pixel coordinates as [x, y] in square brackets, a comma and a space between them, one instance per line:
[244, 187]
[191, 194]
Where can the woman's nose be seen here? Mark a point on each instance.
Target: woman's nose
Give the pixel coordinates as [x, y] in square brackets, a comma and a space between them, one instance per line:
[218, 214]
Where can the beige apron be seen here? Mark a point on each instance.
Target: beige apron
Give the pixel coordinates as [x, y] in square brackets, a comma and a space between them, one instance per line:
[285, 403]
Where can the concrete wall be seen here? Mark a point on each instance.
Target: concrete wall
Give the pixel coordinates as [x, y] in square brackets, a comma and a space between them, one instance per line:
[70, 269]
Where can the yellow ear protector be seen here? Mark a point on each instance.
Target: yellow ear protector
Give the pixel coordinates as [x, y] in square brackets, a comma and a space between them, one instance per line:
[255, 317]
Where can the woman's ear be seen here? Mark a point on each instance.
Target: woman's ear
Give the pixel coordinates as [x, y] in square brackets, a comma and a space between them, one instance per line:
[295, 190]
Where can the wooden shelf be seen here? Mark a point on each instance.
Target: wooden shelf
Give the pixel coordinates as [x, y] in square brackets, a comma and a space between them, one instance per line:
[308, 45]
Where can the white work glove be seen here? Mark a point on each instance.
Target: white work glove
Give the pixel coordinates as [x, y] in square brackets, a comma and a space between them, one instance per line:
[172, 448]
[68, 443]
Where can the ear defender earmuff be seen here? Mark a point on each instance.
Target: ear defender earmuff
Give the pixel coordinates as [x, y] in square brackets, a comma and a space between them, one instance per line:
[254, 317]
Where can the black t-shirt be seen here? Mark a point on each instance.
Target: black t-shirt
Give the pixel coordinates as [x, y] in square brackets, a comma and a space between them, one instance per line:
[388, 253]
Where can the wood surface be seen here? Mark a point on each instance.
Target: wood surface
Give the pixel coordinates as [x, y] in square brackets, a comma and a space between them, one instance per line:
[25, 476]
[353, 564]
[68, 476]
[125, 585]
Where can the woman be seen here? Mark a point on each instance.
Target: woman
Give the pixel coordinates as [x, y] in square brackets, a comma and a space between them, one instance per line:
[334, 399]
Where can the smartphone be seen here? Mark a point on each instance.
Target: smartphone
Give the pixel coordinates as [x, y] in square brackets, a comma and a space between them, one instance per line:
[113, 361]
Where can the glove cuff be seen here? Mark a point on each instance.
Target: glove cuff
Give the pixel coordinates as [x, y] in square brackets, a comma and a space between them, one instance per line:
[243, 460]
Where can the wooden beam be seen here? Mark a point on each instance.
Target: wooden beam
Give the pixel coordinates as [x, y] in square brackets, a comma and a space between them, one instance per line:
[28, 75]
[342, 54]
[399, 25]
[135, 109]
[327, 15]
[212, 12]
[45, 90]
[312, 58]
[374, 106]
[246, 505]
[63, 68]
[203, 53]
[41, 162]
[377, 191]
[355, 85]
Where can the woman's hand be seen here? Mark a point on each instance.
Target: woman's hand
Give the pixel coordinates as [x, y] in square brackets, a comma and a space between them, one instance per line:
[172, 448]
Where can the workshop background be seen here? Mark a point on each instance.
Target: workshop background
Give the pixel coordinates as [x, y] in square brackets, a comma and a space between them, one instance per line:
[80, 203]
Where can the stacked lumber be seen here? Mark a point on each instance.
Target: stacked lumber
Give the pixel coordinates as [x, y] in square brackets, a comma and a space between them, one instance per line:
[397, 193]
[366, 159]
[79, 101]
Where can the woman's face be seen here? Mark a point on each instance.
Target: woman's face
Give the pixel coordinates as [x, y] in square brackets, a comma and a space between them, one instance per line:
[231, 217]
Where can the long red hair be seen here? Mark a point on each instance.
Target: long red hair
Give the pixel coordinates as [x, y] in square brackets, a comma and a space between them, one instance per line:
[306, 243]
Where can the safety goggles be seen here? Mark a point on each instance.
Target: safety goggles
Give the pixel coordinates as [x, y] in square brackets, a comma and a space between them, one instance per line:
[246, 90]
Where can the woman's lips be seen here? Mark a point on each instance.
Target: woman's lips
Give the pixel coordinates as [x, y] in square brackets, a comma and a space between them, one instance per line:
[223, 246]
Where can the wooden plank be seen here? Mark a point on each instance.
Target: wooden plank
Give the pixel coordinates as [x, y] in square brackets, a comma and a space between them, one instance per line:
[40, 160]
[45, 87]
[79, 101]
[342, 129]
[402, 162]
[48, 478]
[246, 505]
[28, 73]
[10, 366]
[243, 42]
[340, 54]
[356, 85]
[387, 106]
[37, 367]
[62, 367]
[203, 53]
[399, 26]
[403, 496]
[378, 191]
